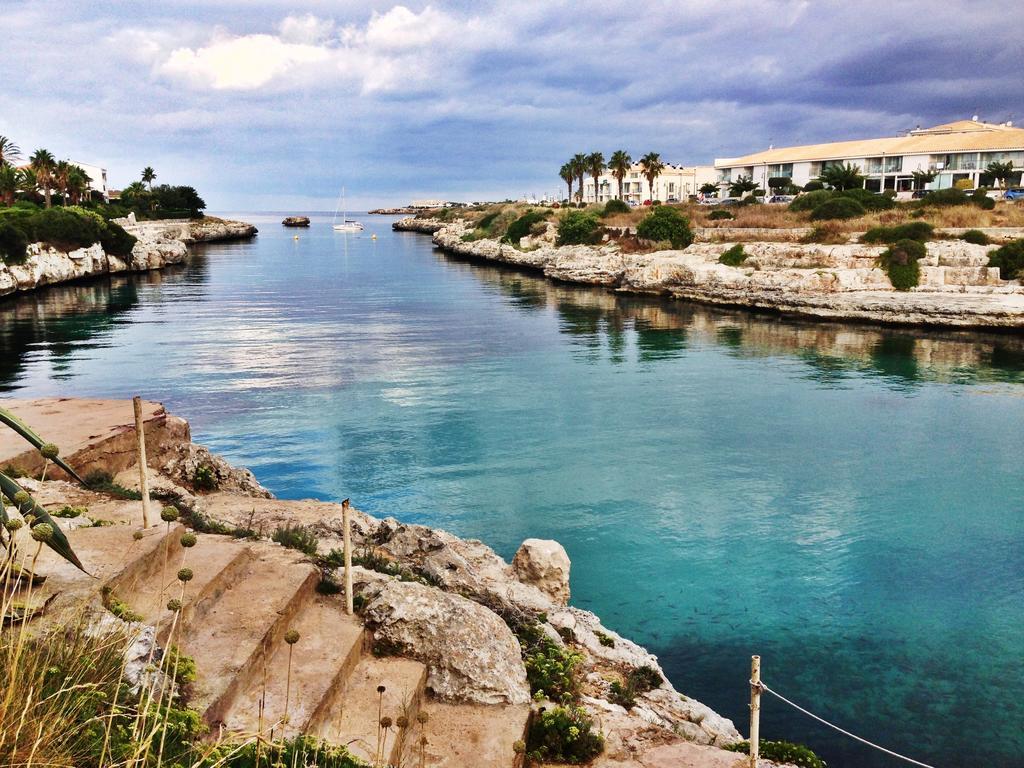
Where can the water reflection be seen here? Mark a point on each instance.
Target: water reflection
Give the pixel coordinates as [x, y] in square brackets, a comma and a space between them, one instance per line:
[603, 323]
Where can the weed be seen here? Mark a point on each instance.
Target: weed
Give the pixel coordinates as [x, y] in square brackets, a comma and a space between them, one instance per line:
[103, 482]
[605, 640]
[68, 511]
[733, 257]
[297, 537]
[204, 478]
[563, 734]
[782, 752]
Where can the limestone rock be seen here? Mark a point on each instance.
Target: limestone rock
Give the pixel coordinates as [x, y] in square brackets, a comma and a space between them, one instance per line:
[544, 564]
[295, 221]
[471, 654]
[182, 466]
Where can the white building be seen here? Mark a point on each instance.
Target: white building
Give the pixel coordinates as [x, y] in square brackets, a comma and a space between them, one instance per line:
[954, 151]
[97, 178]
[675, 184]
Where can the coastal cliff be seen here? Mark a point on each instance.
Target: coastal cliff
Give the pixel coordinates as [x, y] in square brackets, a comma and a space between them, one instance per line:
[443, 625]
[836, 282]
[159, 244]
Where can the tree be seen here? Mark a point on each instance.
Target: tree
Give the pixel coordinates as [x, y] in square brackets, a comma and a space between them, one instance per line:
[708, 189]
[77, 184]
[923, 177]
[148, 175]
[741, 185]
[61, 172]
[568, 175]
[776, 183]
[595, 167]
[28, 184]
[9, 183]
[653, 166]
[579, 167]
[841, 176]
[1001, 172]
[43, 164]
[9, 151]
[619, 165]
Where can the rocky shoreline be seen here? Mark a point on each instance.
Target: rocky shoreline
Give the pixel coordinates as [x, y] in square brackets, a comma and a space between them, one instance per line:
[449, 604]
[160, 244]
[834, 282]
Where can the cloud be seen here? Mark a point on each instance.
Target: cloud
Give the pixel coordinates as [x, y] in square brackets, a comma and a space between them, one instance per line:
[241, 62]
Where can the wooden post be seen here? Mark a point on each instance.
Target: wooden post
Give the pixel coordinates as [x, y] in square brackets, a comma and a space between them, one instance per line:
[347, 523]
[141, 456]
[755, 709]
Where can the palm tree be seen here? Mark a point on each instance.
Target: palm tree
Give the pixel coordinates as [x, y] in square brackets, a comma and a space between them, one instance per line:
[61, 171]
[923, 177]
[1001, 172]
[148, 174]
[77, 184]
[43, 164]
[653, 166]
[9, 182]
[579, 167]
[568, 175]
[595, 167]
[741, 186]
[708, 189]
[619, 166]
[841, 176]
[28, 184]
[9, 151]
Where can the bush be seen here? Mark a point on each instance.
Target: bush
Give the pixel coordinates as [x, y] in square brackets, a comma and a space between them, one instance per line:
[63, 229]
[945, 197]
[563, 735]
[838, 208]
[520, 228]
[615, 206]
[810, 200]
[552, 670]
[1009, 259]
[915, 230]
[115, 241]
[827, 233]
[782, 752]
[869, 200]
[578, 228]
[900, 263]
[975, 237]
[666, 223]
[983, 201]
[733, 257]
[297, 537]
[813, 186]
[720, 213]
[639, 680]
[13, 244]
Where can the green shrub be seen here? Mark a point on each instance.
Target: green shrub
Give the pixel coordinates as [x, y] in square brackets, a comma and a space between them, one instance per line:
[520, 228]
[64, 230]
[813, 186]
[810, 200]
[484, 224]
[665, 223]
[604, 639]
[826, 234]
[551, 669]
[944, 197]
[563, 735]
[67, 511]
[615, 206]
[1010, 260]
[578, 228]
[733, 257]
[115, 241]
[900, 263]
[204, 478]
[982, 200]
[297, 537]
[975, 237]
[13, 244]
[869, 200]
[782, 752]
[103, 482]
[838, 208]
[300, 750]
[638, 680]
[915, 230]
[720, 213]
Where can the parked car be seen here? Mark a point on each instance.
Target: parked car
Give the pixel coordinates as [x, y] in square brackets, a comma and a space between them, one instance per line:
[1014, 193]
[781, 199]
[671, 199]
[918, 194]
[632, 203]
[728, 201]
[709, 201]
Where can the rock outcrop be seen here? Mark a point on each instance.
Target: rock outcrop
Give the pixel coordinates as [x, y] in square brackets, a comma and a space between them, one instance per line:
[470, 653]
[544, 563]
[159, 244]
[840, 282]
[295, 221]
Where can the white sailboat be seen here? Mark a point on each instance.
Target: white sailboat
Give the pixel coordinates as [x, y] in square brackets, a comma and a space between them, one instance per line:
[345, 225]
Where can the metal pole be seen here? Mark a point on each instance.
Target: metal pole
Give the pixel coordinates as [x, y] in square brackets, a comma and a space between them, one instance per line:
[755, 709]
[347, 524]
[141, 456]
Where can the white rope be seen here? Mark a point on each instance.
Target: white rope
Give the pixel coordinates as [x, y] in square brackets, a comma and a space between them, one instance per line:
[837, 728]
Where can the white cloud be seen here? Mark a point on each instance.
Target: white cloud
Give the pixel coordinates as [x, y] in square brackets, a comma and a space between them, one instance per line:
[241, 62]
[307, 29]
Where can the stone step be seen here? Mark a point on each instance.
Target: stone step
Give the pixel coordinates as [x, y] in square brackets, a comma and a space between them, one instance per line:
[215, 562]
[465, 734]
[330, 646]
[232, 628]
[353, 716]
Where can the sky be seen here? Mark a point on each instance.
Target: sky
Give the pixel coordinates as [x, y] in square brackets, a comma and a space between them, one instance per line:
[268, 105]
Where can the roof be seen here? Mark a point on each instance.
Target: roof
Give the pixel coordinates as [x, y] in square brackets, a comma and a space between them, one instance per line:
[959, 136]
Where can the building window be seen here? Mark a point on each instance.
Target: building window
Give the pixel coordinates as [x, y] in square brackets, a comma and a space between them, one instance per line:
[671, 186]
[893, 164]
[783, 169]
[873, 165]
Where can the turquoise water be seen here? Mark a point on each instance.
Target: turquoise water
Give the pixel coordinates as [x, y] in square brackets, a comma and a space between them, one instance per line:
[845, 501]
